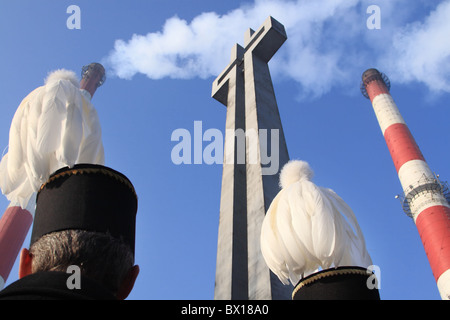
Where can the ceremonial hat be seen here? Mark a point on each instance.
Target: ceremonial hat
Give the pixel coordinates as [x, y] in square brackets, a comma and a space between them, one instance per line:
[87, 197]
[341, 283]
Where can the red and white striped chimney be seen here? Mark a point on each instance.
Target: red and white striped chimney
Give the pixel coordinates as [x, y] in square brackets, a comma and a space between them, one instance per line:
[14, 226]
[425, 196]
[16, 221]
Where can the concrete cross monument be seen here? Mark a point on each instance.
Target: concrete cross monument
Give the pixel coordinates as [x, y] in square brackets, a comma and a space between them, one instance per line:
[255, 150]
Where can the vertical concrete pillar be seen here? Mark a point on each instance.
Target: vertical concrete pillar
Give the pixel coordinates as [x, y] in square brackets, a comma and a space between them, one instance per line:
[255, 150]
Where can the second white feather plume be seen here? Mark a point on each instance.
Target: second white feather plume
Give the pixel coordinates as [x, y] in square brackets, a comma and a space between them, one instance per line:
[308, 228]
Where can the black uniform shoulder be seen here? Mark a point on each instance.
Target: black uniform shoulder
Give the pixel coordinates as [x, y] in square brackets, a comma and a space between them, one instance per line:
[54, 286]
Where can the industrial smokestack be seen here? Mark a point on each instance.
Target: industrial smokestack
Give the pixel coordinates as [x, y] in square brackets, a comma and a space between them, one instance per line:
[425, 198]
[93, 76]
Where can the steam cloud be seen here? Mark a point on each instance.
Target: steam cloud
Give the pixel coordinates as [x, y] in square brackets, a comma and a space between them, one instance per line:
[329, 44]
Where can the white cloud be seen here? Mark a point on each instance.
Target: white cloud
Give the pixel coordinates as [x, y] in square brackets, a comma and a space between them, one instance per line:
[328, 44]
[180, 50]
[421, 51]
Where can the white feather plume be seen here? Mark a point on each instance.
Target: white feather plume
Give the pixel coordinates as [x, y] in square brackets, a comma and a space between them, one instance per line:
[55, 126]
[295, 171]
[62, 74]
[309, 227]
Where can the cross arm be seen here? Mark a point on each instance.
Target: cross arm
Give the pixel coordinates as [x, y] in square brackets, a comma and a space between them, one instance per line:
[220, 85]
[267, 40]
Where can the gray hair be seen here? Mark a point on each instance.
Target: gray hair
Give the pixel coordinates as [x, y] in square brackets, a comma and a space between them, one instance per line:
[99, 256]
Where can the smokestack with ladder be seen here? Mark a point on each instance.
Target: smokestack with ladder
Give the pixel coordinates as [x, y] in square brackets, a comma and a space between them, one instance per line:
[93, 76]
[16, 168]
[425, 198]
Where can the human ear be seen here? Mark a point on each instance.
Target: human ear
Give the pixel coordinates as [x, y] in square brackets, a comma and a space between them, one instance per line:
[128, 283]
[25, 264]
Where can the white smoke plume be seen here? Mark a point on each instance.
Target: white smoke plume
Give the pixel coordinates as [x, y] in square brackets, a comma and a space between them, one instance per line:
[329, 44]
[421, 51]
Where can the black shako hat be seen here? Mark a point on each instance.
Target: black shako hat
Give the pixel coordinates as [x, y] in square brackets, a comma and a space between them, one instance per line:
[341, 283]
[87, 197]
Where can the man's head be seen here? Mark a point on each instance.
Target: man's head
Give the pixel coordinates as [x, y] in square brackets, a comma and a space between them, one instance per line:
[99, 256]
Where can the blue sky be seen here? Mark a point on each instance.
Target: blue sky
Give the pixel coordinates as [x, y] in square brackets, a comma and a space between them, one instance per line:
[161, 81]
